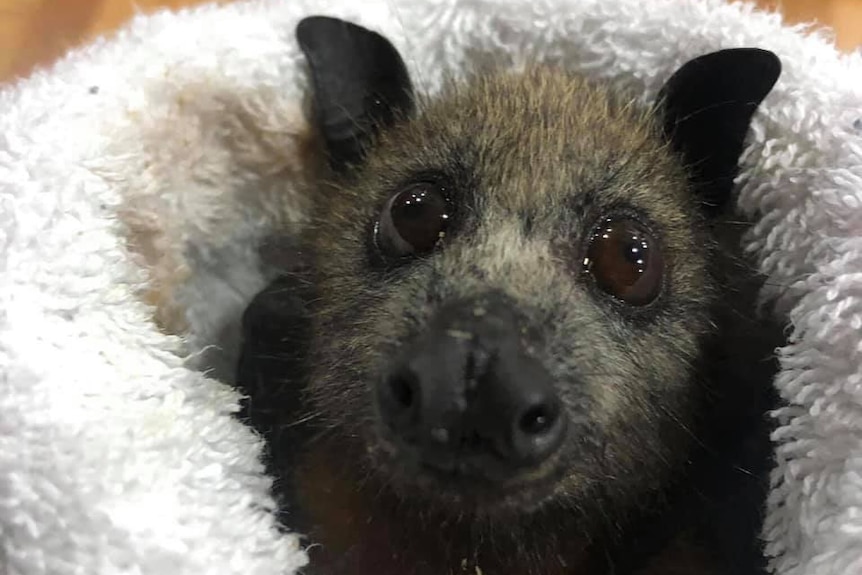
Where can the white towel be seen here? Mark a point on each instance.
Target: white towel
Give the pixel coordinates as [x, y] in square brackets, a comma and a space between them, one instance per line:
[139, 175]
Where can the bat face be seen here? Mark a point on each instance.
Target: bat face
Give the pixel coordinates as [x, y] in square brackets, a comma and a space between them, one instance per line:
[515, 314]
[518, 279]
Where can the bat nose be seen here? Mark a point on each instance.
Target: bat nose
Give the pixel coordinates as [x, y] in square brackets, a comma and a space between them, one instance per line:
[466, 391]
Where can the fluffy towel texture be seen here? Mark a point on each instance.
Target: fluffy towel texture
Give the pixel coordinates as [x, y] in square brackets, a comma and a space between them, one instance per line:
[139, 176]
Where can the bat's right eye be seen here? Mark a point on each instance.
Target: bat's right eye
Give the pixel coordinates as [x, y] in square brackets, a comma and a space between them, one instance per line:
[413, 220]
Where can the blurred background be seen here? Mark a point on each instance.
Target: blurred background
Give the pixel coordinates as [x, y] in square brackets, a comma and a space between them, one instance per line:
[35, 32]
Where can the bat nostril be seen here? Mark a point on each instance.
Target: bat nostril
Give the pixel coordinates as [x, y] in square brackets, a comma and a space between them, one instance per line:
[537, 420]
[399, 398]
[402, 387]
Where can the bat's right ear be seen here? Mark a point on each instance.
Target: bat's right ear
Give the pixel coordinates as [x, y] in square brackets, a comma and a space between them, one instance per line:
[360, 84]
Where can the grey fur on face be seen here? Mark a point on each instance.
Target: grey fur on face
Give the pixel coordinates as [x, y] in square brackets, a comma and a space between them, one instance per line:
[515, 149]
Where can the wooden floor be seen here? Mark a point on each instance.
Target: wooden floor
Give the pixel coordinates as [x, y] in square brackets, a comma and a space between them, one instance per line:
[34, 32]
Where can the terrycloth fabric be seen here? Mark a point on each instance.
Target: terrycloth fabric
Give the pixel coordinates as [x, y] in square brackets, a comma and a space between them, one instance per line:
[139, 176]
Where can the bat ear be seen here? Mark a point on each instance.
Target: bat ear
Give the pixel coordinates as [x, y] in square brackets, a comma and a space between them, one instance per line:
[706, 107]
[360, 84]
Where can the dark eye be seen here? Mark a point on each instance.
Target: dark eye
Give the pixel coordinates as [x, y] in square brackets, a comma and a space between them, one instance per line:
[625, 261]
[414, 220]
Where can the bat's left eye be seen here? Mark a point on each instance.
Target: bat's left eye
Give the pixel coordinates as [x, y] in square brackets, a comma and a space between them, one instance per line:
[625, 261]
[414, 220]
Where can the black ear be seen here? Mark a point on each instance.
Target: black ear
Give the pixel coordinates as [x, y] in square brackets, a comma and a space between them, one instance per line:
[360, 84]
[707, 106]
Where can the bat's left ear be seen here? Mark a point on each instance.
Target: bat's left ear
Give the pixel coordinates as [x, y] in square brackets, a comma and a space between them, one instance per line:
[706, 107]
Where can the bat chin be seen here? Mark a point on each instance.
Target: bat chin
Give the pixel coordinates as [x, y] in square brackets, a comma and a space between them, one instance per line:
[480, 489]
[389, 520]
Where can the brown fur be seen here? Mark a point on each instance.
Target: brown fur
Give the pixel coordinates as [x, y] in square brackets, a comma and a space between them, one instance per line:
[534, 161]
[199, 152]
[558, 152]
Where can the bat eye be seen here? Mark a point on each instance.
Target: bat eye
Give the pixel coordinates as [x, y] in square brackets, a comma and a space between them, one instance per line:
[413, 220]
[625, 261]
